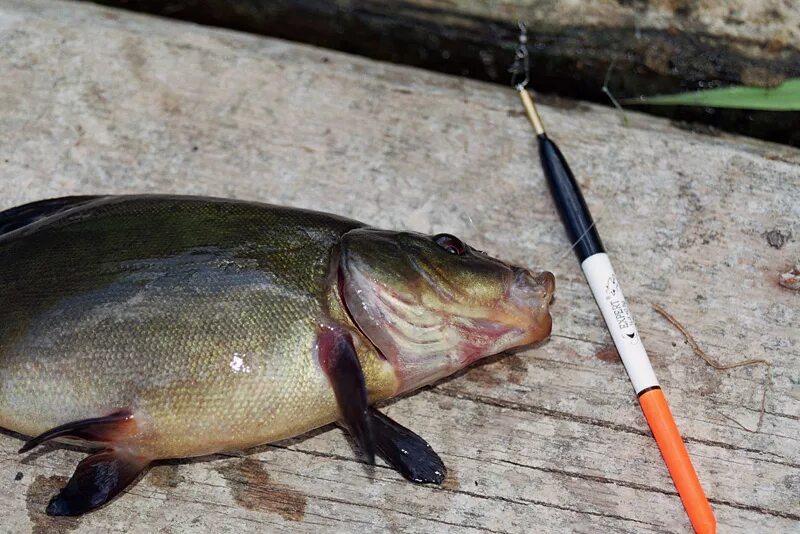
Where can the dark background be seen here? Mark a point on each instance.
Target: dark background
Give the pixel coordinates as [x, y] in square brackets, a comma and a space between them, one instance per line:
[567, 61]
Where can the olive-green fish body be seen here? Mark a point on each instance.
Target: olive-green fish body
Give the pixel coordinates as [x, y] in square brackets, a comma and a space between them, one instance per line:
[201, 316]
[155, 327]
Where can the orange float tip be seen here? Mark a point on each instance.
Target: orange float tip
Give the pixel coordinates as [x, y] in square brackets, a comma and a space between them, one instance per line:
[659, 417]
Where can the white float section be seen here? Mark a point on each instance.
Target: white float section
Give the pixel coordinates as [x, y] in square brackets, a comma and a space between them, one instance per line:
[610, 300]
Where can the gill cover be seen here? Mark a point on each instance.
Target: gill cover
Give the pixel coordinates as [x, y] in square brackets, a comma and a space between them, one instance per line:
[432, 305]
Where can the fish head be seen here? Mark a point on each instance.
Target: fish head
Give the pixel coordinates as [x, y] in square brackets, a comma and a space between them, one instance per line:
[432, 305]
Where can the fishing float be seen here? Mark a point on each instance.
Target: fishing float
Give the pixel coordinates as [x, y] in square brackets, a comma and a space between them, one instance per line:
[607, 292]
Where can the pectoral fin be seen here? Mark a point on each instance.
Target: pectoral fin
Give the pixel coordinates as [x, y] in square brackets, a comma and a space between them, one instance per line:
[406, 451]
[339, 361]
[97, 479]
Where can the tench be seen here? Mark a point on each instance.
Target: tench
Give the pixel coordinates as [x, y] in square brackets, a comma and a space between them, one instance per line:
[153, 327]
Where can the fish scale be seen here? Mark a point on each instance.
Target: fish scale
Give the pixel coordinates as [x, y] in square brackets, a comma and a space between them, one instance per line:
[156, 327]
[165, 300]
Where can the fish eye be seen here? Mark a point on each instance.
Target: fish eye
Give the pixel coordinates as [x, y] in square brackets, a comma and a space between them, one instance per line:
[450, 243]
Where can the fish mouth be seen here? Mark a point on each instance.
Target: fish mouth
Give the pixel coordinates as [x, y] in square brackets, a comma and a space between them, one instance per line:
[521, 321]
[529, 297]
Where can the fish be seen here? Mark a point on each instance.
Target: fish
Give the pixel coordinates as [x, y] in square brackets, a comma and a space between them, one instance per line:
[151, 327]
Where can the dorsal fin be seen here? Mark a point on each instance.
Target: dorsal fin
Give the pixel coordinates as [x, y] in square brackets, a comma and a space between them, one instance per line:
[15, 218]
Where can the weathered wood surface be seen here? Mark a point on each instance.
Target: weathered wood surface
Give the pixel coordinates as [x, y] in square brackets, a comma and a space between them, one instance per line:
[754, 42]
[656, 46]
[94, 100]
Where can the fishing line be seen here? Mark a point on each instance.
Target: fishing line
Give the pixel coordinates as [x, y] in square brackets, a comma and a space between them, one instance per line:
[607, 91]
[521, 68]
[594, 222]
[522, 65]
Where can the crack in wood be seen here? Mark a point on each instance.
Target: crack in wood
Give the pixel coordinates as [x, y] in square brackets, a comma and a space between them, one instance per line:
[641, 487]
[524, 501]
[564, 416]
[778, 414]
[163, 496]
[591, 478]
[581, 339]
[409, 514]
[485, 497]
[594, 478]
[756, 509]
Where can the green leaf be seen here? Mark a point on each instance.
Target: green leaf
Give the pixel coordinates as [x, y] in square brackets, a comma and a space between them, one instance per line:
[785, 97]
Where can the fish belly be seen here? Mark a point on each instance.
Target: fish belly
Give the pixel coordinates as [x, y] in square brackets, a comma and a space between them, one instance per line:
[199, 316]
[199, 375]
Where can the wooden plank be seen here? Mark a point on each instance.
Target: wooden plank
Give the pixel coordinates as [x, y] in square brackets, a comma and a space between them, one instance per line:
[548, 440]
[655, 47]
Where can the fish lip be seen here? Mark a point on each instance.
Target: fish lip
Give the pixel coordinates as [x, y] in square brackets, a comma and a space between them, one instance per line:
[532, 290]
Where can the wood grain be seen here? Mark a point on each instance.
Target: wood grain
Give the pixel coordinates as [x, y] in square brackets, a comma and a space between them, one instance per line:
[645, 47]
[94, 100]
